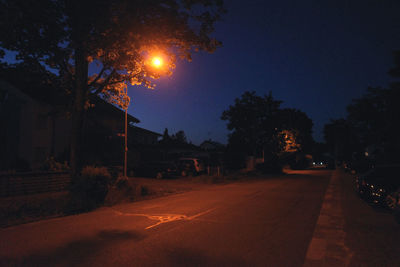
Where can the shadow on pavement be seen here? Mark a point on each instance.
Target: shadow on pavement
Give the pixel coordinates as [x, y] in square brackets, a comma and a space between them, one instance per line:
[75, 252]
[190, 257]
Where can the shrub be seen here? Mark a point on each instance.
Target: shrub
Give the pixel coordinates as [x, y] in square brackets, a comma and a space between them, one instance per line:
[52, 165]
[144, 190]
[90, 189]
[122, 190]
[121, 182]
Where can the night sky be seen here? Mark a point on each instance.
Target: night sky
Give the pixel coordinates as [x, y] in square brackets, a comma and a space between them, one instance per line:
[313, 55]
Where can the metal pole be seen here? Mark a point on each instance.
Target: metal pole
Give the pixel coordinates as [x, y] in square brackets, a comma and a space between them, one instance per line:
[126, 138]
[126, 142]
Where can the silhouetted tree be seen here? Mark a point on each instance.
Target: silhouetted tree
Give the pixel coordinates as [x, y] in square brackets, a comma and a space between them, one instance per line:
[165, 138]
[298, 126]
[179, 137]
[259, 126]
[371, 122]
[395, 71]
[374, 117]
[341, 139]
[67, 36]
[253, 121]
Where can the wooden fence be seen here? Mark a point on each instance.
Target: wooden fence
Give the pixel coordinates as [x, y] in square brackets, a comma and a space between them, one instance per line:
[18, 184]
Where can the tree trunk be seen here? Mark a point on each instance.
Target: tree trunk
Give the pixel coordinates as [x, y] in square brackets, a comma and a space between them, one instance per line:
[79, 35]
[81, 73]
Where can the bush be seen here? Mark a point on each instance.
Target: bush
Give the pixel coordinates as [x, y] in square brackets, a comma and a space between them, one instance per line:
[122, 190]
[144, 190]
[90, 189]
[52, 165]
[121, 182]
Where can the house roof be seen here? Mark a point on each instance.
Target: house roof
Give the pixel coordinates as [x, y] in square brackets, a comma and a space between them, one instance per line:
[103, 106]
[38, 86]
[144, 130]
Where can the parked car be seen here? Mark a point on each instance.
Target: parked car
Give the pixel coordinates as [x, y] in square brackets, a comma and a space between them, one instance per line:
[190, 166]
[394, 199]
[157, 169]
[360, 166]
[320, 164]
[379, 184]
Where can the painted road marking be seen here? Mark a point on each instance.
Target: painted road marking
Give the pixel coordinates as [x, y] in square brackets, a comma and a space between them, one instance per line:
[327, 246]
[163, 218]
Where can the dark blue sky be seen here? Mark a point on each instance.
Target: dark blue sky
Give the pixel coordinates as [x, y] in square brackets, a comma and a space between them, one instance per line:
[313, 55]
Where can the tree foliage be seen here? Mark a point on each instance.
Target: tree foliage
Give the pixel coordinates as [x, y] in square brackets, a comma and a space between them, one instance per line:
[253, 120]
[177, 139]
[371, 122]
[62, 38]
[117, 36]
[341, 139]
[374, 117]
[258, 124]
[297, 127]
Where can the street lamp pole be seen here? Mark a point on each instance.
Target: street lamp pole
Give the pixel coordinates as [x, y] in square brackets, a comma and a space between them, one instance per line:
[156, 62]
[126, 139]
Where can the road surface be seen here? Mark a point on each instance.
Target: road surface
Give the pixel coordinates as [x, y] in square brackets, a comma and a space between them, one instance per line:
[295, 220]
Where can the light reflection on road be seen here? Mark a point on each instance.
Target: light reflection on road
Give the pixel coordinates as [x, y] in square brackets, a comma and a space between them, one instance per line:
[163, 218]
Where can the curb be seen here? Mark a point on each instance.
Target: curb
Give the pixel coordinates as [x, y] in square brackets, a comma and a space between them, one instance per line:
[327, 246]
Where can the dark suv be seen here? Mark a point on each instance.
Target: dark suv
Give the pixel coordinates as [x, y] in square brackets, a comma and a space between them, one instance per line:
[157, 169]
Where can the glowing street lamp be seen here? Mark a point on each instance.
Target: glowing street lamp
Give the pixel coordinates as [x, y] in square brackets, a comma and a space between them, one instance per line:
[157, 62]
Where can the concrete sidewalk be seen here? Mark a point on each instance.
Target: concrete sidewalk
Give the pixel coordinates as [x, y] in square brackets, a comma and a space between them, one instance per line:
[351, 232]
[327, 246]
[372, 233]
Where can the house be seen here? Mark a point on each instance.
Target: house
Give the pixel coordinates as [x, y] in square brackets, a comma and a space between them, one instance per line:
[210, 145]
[30, 130]
[35, 127]
[142, 136]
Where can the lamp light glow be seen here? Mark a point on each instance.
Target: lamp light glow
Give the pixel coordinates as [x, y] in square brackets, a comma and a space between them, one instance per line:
[157, 62]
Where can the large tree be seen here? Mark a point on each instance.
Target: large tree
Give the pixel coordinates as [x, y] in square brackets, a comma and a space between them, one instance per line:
[298, 126]
[374, 117]
[258, 125]
[253, 122]
[371, 122]
[66, 37]
[341, 139]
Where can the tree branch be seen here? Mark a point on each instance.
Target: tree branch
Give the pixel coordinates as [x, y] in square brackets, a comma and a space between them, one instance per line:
[97, 78]
[115, 82]
[106, 81]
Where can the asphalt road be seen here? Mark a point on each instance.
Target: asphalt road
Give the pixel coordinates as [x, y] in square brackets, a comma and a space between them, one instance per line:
[265, 222]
